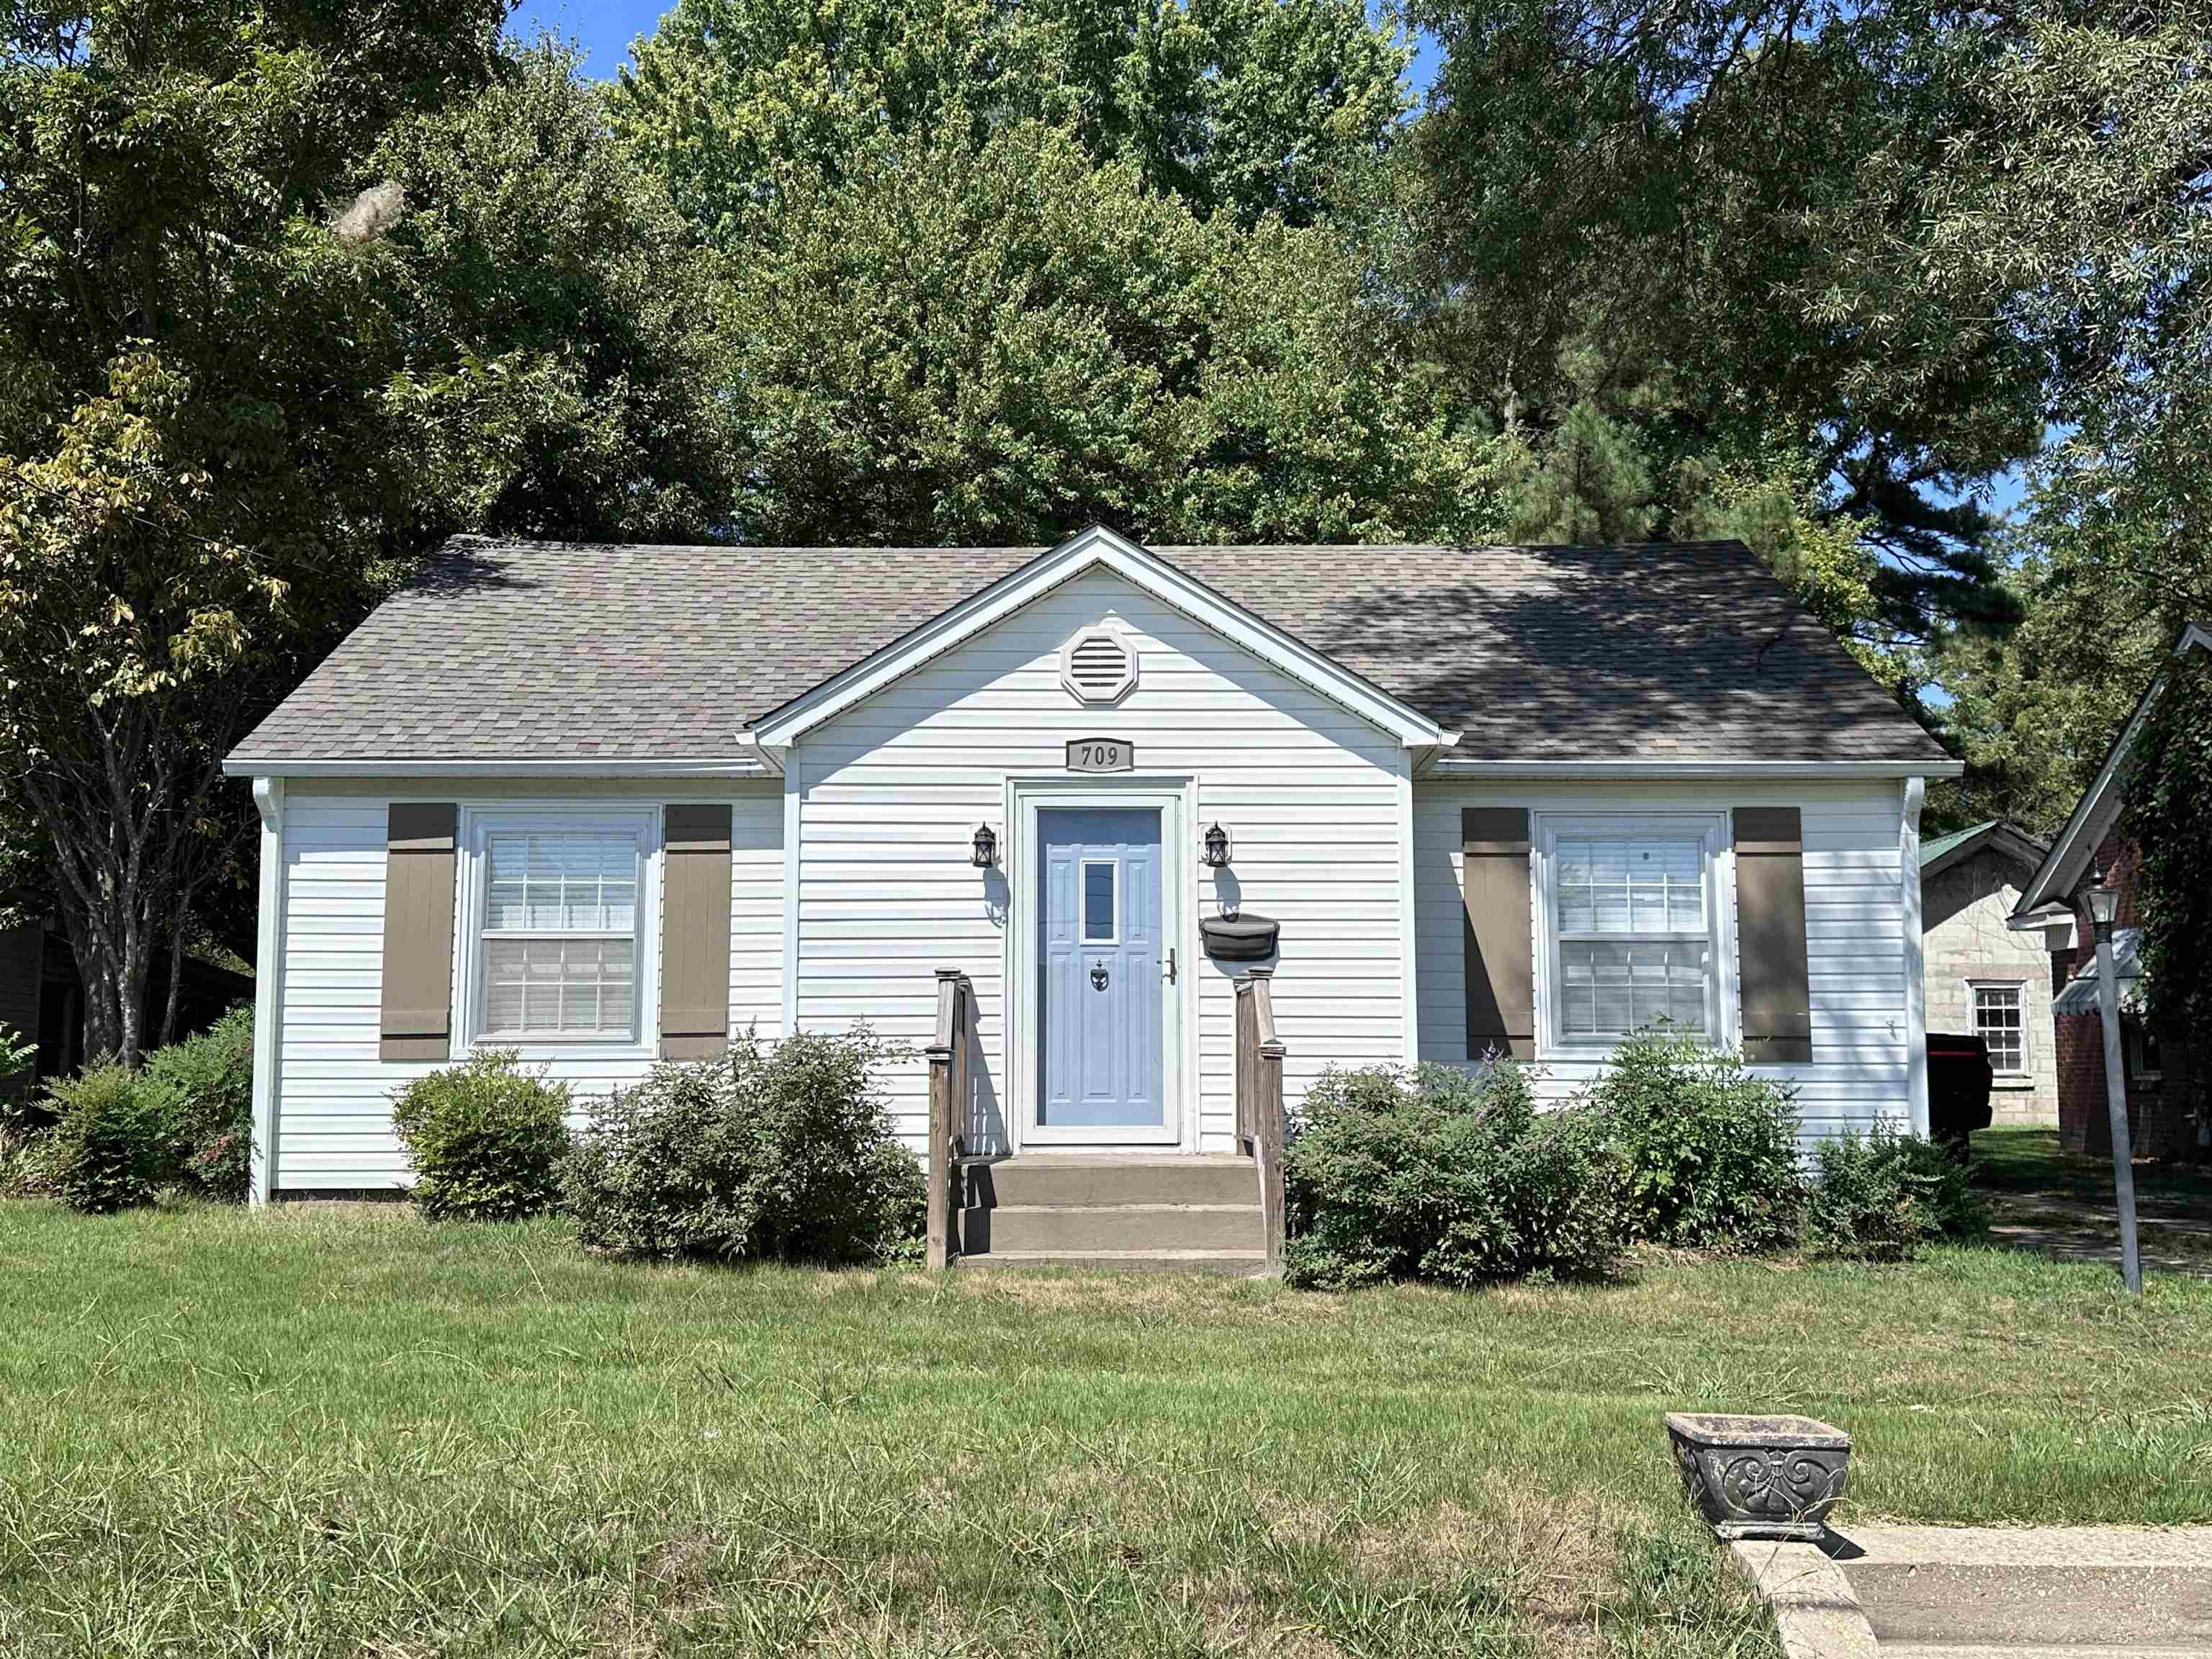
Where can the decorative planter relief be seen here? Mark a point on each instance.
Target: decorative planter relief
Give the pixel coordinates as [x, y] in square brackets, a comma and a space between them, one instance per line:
[1760, 1476]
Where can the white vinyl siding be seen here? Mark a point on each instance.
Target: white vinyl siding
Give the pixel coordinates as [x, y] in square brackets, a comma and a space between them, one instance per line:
[891, 791]
[1854, 921]
[334, 1105]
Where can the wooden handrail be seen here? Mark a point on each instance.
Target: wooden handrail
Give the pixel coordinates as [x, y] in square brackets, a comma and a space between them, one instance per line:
[1260, 1120]
[949, 1055]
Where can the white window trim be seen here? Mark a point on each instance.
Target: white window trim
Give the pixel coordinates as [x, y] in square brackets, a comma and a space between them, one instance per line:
[2019, 988]
[1724, 1003]
[471, 895]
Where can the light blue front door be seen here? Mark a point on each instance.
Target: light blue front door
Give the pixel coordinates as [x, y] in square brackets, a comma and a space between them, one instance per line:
[1100, 992]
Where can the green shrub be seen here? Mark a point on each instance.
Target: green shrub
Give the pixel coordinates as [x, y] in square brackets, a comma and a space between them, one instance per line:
[207, 1103]
[106, 1151]
[17, 1051]
[1880, 1197]
[1442, 1174]
[486, 1138]
[24, 1111]
[769, 1152]
[1709, 1150]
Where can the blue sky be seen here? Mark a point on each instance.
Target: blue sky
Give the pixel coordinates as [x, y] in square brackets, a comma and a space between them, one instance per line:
[604, 28]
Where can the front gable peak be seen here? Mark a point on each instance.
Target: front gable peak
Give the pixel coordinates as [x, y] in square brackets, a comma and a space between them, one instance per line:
[1092, 667]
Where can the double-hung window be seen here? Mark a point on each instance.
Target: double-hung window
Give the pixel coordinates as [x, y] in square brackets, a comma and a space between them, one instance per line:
[1997, 1021]
[558, 940]
[1632, 932]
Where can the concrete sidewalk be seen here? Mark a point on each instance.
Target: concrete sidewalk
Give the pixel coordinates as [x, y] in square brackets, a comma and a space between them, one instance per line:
[1976, 1592]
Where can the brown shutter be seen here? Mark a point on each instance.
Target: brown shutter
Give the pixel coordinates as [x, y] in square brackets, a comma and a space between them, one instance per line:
[418, 932]
[1501, 994]
[694, 932]
[1770, 908]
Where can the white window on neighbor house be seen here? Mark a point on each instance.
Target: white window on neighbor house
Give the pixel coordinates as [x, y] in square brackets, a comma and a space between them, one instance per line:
[1997, 1021]
[1632, 929]
[559, 947]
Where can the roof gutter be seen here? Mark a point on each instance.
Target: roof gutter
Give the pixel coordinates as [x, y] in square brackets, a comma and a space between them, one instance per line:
[1568, 771]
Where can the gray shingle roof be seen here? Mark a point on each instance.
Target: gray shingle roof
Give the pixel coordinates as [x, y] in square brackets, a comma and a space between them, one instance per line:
[543, 651]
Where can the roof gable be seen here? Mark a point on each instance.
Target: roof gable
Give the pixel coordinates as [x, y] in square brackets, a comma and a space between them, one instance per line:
[2098, 809]
[1098, 549]
[1993, 837]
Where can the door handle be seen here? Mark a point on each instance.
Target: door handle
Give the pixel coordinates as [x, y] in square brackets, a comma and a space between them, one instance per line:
[1169, 968]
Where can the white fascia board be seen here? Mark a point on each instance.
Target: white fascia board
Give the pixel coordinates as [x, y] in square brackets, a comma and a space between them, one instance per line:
[255, 766]
[1099, 547]
[2098, 809]
[1570, 770]
[2092, 817]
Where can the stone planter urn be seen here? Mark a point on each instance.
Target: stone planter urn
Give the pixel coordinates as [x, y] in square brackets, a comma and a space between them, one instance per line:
[1760, 1476]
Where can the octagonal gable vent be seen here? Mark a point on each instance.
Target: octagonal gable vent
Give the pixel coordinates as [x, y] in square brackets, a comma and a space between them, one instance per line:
[1097, 665]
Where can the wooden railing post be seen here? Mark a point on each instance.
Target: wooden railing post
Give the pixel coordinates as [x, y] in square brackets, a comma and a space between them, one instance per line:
[945, 1064]
[1261, 1122]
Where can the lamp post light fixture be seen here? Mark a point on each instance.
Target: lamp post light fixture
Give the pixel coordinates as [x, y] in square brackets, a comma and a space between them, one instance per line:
[2104, 903]
[1217, 848]
[983, 851]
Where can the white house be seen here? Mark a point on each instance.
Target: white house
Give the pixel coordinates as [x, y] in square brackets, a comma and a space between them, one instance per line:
[608, 803]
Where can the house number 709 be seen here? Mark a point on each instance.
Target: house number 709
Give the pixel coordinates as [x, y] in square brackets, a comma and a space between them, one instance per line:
[1101, 754]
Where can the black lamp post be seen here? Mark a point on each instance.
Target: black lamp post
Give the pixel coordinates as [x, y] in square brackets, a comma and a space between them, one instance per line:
[1217, 848]
[2103, 909]
[983, 851]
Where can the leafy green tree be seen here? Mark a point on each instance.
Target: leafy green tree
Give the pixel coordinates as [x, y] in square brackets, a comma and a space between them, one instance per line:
[1635, 212]
[2167, 816]
[1246, 107]
[563, 362]
[2032, 714]
[2063, 219]
[236, 357]
[1002, 343]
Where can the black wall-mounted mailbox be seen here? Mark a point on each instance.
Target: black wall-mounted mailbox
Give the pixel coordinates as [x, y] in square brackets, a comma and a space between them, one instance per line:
[1244, 938]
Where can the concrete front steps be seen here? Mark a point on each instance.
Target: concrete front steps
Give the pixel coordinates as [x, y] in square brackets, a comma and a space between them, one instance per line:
[1158, 1211]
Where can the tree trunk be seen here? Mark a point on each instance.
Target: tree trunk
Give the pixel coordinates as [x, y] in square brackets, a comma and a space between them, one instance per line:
[176, 980]
[131, 993]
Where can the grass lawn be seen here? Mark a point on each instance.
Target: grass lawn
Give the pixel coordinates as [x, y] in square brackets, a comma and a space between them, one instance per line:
[2052, 1201]
[337, 1429]
[2017, 1160]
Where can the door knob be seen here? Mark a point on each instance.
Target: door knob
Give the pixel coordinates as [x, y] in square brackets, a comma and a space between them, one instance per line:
[1097, 976]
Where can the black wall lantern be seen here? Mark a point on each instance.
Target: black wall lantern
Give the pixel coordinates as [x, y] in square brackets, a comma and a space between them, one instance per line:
[1217, 848]
[983, 852]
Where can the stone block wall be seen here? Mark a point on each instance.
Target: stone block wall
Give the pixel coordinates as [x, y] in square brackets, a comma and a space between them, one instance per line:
[1966, 941]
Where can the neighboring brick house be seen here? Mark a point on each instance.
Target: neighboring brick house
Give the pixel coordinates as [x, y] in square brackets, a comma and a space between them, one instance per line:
[1982, 976]
[2167, 1108]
